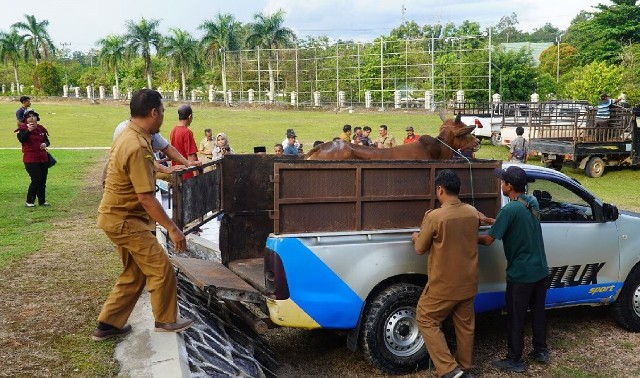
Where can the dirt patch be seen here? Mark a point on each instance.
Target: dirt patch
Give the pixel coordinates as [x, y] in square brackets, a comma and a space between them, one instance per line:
[49, 300]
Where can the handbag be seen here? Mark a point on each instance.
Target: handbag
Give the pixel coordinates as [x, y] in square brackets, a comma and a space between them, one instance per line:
[52, 160]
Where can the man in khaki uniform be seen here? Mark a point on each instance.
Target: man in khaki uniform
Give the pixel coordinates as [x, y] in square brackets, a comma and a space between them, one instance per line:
[450, 235]
[128, 213]
[385, 140]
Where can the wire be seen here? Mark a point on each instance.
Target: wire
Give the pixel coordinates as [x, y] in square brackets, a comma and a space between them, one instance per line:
[473, 196]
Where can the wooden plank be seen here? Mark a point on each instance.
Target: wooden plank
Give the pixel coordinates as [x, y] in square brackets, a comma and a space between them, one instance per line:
[213, 276]
[251, 270]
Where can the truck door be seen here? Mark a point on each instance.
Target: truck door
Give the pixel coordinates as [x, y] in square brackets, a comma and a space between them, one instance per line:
[582, 251]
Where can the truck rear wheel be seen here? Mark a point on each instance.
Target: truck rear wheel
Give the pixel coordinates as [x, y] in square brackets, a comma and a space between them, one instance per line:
[626, 309]
[390, 336]
[595, 167]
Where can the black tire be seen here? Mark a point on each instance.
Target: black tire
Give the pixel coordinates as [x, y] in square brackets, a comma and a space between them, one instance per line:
[595, 167]
[390, 338]
[496, 139]
[626, 309]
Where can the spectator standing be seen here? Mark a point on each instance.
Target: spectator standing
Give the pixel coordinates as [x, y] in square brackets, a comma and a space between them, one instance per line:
[346, 134]
[207, 144]
[519, 148]
[366, 139]
[296, 143]
[25, 102]
[411, 136]
[222, 147]
[518, 226]
[357, 135]
[449, 234]
[278, 149]
[35, 140]
[385, 140]
[128, 213]
[290, 147]
[182, 139]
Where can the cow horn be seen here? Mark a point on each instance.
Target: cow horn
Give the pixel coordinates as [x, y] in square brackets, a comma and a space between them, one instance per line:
[459, 118]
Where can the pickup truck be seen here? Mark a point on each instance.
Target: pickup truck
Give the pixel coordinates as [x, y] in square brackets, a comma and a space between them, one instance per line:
[328, 245]
[486, 117]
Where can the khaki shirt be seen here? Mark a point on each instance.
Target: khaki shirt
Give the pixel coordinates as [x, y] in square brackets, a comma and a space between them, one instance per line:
[450, 234]
[387, 141]
[206, 147]
[130, 171]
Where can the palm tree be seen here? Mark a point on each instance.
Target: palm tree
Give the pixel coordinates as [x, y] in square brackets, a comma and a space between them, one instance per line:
[267, 32]
[141, 37]
[11, 52]
[221, 35]
[182, 49]
[37, 40]
[112, 53]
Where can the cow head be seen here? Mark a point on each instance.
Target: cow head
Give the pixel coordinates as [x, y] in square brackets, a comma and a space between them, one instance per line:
[458, 135]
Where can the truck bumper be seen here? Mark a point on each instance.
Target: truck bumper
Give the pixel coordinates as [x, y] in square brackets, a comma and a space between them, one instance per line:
[287, 313]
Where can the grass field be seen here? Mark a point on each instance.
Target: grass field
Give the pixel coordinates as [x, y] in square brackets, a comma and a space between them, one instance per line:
[78, 124]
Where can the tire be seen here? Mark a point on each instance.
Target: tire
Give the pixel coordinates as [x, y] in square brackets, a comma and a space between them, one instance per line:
[555, 164]
[496, 139]
[626, 309]
[595, 167]
[390, 338]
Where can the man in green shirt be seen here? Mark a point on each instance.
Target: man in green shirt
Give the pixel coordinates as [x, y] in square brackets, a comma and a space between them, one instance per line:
[518, 226]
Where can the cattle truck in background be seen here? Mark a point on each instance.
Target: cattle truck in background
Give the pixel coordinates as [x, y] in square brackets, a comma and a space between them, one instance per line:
[486, 117]
[327, 244]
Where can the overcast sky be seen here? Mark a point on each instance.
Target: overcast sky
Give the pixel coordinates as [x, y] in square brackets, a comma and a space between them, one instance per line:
[82, 22]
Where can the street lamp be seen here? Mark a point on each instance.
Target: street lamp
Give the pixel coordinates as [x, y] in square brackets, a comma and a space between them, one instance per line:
[558, 39]
[500, 79]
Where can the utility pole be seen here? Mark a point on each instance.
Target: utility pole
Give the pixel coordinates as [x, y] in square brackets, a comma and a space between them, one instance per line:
[558, 40]
[66, 61]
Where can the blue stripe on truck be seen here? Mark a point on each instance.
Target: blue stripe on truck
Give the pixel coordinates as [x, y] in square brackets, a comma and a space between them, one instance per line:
[314, 287]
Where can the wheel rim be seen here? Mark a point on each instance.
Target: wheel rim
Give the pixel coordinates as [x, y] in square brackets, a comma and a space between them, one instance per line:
[635, 301]
[401, 334]
[597, 168]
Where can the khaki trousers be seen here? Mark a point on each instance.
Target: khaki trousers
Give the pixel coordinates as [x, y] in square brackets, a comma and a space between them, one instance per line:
[431, 312]
[144, 262]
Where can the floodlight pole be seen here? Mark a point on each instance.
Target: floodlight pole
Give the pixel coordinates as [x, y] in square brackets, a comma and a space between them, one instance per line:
[558, 39]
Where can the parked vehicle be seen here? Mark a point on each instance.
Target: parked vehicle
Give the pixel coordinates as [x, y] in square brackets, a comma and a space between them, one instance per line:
[586, 145]
[328, 245]
[486, 117]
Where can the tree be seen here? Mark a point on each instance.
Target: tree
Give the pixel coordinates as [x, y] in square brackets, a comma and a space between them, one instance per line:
[549, 59]
[141, 37]
[518, 74]
[630, 72]
[221, 36]
[600, 36]
[11, 52]
[112, 54]
[49, 78]
[267, 32]
[506, 31]
[589, 81]
[407, 30]
[546, 33]
[37, 40]
[182, 49]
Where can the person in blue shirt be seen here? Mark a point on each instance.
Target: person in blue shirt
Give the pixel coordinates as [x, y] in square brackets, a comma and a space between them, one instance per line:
[604, 109]
[290, 148]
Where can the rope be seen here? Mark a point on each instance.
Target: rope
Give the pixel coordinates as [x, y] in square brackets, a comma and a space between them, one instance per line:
[473, 197]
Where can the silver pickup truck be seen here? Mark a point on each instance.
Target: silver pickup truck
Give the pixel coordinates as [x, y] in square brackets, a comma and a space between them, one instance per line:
[357, 271]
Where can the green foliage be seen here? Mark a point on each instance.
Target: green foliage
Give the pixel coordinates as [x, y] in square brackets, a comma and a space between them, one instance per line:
[547, 87]
[518, 75]
[631, 72]
[549, 59]
[49, 78]
[586, 83]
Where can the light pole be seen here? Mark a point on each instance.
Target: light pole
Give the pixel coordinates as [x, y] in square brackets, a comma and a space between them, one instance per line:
[558, 39]
[500, 79]
[66, 60]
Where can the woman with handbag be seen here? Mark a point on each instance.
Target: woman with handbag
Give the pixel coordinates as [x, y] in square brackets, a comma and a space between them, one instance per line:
[35, 140]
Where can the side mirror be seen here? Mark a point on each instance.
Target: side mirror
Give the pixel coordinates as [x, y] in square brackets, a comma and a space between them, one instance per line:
[610, 212]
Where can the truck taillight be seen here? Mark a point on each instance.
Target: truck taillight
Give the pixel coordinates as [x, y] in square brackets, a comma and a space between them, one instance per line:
[274, 276]
[478, 123]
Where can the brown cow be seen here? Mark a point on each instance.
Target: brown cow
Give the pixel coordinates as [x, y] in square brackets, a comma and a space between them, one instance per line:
[454, 135]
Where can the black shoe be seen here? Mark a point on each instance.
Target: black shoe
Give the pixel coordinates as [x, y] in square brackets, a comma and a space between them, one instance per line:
[541, 357]
[99, 334]
[507, 364]
[455, 373]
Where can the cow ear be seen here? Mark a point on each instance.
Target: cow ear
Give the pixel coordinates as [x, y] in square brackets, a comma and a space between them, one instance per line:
[459, 118]
[464, 130]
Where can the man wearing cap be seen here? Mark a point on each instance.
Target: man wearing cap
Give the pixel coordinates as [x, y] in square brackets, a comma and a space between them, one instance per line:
[411, 137]
[182, 138]
[128, 213]
[290, 147]
[286, 139]
[518, 226]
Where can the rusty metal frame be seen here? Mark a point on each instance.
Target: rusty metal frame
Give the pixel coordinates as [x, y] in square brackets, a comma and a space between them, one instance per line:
[197, 201]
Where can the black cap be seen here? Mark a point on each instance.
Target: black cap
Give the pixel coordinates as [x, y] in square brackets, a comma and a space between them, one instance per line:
[291, 134]
[30, 111]
[514, 175]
